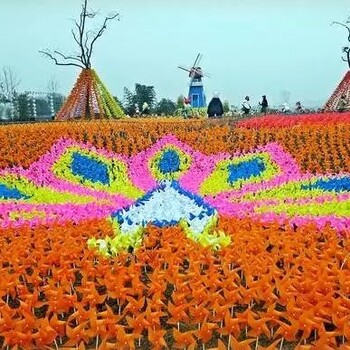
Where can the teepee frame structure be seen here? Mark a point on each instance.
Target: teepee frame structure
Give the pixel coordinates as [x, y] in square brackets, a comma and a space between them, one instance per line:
[343, 89]
[89, 99]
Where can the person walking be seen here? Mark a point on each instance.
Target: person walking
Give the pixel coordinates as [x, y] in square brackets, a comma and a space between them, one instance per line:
[264, 104]
[246, 107]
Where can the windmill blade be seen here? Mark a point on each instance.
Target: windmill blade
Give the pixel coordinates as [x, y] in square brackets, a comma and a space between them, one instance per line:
[184, 68]
[196, 60]
[199, 59]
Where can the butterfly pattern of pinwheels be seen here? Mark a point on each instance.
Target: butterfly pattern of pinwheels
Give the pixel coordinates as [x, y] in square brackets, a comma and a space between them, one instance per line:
[167, 184]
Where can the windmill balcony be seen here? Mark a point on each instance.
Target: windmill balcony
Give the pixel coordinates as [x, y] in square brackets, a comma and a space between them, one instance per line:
[197, 83]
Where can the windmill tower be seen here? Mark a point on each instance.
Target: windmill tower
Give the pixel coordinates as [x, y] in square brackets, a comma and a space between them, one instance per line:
[196, 94]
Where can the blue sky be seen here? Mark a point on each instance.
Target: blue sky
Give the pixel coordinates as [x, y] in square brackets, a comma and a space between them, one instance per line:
[249, 47]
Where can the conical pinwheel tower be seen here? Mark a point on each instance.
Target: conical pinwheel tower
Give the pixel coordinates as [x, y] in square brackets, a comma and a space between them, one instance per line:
[89, 99]
[343, 89]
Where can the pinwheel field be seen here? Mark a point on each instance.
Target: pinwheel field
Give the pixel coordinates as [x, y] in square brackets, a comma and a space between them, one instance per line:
[176, 234]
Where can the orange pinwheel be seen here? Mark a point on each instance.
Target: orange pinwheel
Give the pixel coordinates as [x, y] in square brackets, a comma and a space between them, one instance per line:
[81, 315]
[205, 333]
[28, 322]
[234, 344]
[137, 324]
[178, 313]
[288, 332]
[7, 318]
[134, 305]
[183, 340]
[231, 326]
[179, 298]
[231, 296]
[293, 310]
[91, 295]
[126, 340]
[76, 334]
[15, 337]
[59, 300]
[157, 287]
[324, 343]
[216, 298]
[258, 326]
[308, 322]
[153, 317]
[199, 312]
[199, 293]
[219, 312]
[156, 338]
[58, 325]
[45, 334]
[97, 327]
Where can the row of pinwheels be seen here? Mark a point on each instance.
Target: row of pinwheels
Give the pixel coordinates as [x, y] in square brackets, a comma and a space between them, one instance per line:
[287, 121]
[319, 143]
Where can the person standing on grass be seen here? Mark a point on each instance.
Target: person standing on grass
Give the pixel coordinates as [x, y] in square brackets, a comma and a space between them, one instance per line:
[137, 110]
[187, 110]
[145, 108]
[246, 107]
[264, 105]
[299, 109]
[285, 108]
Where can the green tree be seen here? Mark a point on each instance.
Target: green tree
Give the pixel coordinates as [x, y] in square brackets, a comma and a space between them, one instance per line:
[226, 106]
[180, 102]
[129, 102]
[165, 107]
[142, 94]
[42, 107]
[22, 107]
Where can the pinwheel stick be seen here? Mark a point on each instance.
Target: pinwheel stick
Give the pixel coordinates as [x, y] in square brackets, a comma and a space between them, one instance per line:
[85, 40]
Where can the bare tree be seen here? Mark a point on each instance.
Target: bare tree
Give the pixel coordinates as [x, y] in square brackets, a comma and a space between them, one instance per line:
[84, 38]
[345, 49]
[9, 82]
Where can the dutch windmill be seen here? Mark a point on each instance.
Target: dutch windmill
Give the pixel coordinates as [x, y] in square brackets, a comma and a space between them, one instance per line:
[196, 94]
